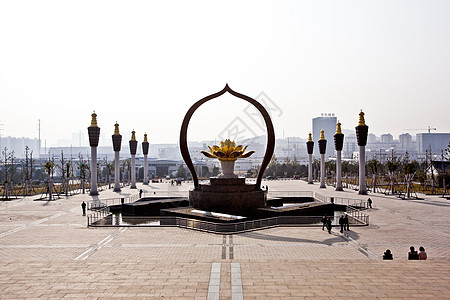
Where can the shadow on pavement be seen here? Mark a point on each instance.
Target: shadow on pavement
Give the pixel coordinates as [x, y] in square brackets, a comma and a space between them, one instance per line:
[335, 238]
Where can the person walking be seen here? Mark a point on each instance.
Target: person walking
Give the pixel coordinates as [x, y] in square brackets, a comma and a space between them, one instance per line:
[83, 207]
[329, 226]
[369, 201]
[324, 222]
[346, 225]
[422, 253]
[341, 222]
[140, 193]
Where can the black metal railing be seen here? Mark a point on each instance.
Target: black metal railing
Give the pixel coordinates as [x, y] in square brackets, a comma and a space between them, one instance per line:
[101, 215]
[356, 216]
[101, 204]
[105, 219]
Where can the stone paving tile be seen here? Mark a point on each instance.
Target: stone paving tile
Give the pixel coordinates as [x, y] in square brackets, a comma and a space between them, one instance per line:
[168, 235]
[56, 235]
[5, 228]
[166, 252]
[20, 217]
[260, 279]
[294, 243]
[364, 278]
[37, 256]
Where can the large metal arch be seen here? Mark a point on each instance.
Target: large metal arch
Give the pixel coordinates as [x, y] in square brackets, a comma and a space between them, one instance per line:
[270, 133]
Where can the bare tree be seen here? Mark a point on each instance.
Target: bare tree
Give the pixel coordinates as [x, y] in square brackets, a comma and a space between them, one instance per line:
[409, 169]
[8, 172]
[374, 166]
[444, 170]
[64, 169]
[27, 171]
[392, 166]
[109, 169]
[49, 168]
[84, 170]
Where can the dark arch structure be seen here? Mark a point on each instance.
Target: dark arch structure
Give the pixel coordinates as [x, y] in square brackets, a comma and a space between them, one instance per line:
[270, 134]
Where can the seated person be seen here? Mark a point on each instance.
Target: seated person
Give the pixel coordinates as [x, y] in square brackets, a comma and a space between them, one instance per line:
[388, 255]
[422, 254]
[412, 254]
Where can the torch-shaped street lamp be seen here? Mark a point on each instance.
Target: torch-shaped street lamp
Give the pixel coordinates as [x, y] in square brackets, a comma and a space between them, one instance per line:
[117, 142]
[338, 145]
[322, 150]
[145, 146]
[361, 135]
[310, 148]
[94, 134]
[133, 149]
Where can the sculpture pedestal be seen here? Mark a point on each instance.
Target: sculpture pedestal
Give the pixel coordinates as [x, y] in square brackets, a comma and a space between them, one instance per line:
[228, 195]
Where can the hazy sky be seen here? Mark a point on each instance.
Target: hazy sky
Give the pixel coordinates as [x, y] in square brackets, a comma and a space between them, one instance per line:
[144, 63]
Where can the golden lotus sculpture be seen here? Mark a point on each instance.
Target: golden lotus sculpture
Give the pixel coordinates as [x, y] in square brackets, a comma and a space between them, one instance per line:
[227, 153]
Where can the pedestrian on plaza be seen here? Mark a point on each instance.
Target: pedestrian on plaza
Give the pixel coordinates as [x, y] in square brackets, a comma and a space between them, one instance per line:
[324, 221]
[83, 207]
[369, 201]
[341, 222]
[388, 255]
[412, 254]
[422, 253]
[329, 226]
[140, 193]
[346, 225]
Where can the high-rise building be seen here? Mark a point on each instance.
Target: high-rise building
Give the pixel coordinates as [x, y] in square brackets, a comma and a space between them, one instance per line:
[18, 145]
[372, 138]
[387, 138]
[327, 122]
[350, 145]
[434, 141]
[405, 141]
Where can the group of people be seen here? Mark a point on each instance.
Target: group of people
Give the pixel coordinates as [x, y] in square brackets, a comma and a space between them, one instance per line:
[343, 221]
[412, 254]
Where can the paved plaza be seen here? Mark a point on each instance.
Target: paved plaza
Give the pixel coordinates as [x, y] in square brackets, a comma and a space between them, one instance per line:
[47, 251]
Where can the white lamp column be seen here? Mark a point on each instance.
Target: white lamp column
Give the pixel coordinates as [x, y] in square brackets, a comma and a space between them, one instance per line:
[361, 135]
[322, 150]
[338, 145]
[117, 142]
[133, 149]
[145, 146]
[310, 148]
[94, 134]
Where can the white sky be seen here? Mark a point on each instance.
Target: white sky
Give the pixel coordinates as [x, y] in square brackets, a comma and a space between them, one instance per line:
[144, 63]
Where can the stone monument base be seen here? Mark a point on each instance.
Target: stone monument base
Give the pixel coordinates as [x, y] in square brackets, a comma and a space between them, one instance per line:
[228, 195]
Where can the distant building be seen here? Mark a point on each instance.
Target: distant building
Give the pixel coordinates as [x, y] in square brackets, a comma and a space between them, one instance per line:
[387, 138]
[327, 122]
[162, 167]
[18, 145]
[434, 141]
[350, 146]
[371, 138]
[405, 141]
